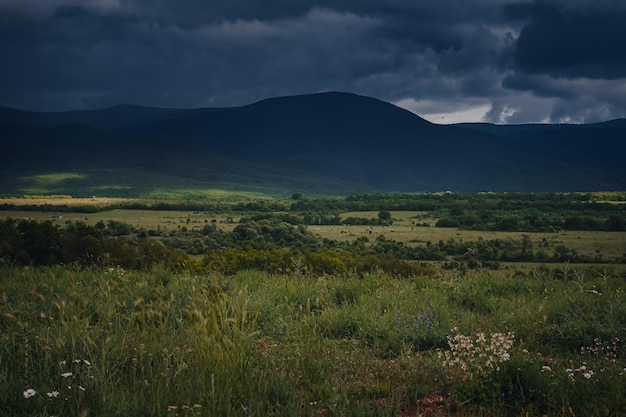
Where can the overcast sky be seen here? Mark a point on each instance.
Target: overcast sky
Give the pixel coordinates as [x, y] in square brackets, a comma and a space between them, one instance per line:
[501, 61]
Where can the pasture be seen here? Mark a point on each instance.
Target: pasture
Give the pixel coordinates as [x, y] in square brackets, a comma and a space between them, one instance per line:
[412, 228]
[140, 219]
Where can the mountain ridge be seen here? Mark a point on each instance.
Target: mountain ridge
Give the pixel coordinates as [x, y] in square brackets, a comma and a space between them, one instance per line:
[323, 143]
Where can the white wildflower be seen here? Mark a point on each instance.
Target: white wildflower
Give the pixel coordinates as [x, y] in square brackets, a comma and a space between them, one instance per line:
[30, 393]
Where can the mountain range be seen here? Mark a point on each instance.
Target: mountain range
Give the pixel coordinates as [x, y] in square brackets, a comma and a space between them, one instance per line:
[325, 144]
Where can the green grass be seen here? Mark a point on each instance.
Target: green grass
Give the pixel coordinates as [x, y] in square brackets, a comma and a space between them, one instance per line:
[157, 343]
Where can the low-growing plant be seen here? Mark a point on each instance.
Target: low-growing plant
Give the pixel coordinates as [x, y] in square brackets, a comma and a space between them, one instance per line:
[475, 357]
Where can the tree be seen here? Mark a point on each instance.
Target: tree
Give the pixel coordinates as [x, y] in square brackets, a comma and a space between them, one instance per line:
[384, 217]
[10, 240]
[615, 223]
[41, 242]
[447, 222]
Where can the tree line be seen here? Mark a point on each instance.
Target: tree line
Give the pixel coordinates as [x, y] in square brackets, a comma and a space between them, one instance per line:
[28, 242]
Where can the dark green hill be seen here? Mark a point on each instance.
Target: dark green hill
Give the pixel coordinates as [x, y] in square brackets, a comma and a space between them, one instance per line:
[329, 143]
[597, 146]
[109, 119]
[311, 124]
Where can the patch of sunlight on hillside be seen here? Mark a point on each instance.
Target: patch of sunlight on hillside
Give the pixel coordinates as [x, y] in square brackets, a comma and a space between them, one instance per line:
[112, 187]
[53, 179]
[45, 184]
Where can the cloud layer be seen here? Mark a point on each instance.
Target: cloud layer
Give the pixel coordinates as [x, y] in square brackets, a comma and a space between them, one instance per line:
[492, 60]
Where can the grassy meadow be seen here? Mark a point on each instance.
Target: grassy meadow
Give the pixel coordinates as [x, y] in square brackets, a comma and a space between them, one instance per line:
[111, 342]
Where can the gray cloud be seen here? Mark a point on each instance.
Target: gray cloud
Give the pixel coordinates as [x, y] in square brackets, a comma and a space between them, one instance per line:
[567, 42]
[579, 100]
[495, 60]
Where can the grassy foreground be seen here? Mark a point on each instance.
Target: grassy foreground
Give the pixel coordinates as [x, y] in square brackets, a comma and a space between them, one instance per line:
[82, 342]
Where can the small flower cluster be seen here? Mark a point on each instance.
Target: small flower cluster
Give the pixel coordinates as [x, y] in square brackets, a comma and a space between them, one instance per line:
[609, 352]
[477, 356]
[193, 409]
[117, 271]
[80, 368]
[29, 393]
[582, 370]
[426, 319]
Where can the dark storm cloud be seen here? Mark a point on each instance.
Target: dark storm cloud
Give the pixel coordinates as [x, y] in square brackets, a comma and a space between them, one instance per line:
[499, 60]
[573, 42]
[75, 56]
[91, 58]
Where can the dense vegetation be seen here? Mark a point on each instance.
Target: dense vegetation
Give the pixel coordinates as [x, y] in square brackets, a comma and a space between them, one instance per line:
[271, 234]
[27, 242]
[114, 342]
[268, 245]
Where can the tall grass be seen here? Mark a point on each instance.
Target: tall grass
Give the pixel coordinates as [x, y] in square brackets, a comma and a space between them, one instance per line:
[151, 344]
[112, 342]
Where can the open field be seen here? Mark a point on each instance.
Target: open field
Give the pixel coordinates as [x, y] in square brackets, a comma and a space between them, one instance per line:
[585, 242]
[610, 244]
[141, 219]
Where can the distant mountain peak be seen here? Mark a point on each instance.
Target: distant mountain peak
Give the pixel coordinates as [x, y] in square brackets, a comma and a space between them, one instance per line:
[334, 104]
